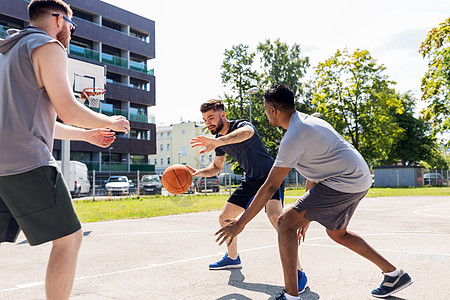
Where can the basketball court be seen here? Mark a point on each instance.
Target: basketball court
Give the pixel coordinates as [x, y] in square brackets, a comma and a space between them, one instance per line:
[168, 257]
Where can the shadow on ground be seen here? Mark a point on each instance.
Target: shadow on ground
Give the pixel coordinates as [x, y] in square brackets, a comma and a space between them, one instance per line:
[237, 280]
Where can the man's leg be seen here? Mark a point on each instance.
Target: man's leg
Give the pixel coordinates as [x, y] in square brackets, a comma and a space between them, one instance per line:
[230, 211]
[62, 265]
[288, 224]
[357, 244]
[274, 210]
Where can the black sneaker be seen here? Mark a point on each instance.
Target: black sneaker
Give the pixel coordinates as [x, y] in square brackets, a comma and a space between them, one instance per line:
[391, 285]
[281, 296]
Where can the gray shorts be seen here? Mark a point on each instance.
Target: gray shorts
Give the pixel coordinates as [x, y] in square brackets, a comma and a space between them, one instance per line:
[331, 208]
[37, 202]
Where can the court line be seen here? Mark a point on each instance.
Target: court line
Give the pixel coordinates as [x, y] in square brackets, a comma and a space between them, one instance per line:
[151, 266]
[420, 212]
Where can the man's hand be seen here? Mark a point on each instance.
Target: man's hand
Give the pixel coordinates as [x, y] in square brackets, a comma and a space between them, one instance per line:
[229, 232]
[119, 123]
[194, 172]
[100, 137]
[202, 141]
[301, 233]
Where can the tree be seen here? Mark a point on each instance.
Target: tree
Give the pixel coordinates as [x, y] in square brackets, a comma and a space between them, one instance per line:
[279, 63]
[353, 95]
[238, 76]
[436, 81]
[415, 143]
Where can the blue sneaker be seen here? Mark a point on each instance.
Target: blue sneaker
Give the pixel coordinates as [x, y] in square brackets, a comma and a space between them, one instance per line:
[391, 285]
[226, 263]
[302, 280]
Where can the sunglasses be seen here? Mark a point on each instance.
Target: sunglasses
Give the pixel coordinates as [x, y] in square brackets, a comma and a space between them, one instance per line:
[72, 28]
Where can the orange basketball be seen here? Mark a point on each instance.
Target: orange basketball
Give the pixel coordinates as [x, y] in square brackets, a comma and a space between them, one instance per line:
[177, 179]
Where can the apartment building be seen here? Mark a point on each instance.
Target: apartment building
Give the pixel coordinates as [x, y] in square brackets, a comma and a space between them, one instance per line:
[124, 42]
[173, 147]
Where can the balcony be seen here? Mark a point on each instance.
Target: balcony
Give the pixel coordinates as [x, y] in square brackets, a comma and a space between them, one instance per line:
[141, 67]
[143, 118]
[84, 52]
[3, 33]
[114, 60]
[102, 57]
[118, 167]
[142, 167]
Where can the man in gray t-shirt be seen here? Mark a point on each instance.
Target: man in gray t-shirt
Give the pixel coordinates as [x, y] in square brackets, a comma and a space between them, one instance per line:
[337, 179]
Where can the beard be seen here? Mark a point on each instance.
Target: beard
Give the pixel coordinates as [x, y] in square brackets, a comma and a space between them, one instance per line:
[217, 128]
[63, 37]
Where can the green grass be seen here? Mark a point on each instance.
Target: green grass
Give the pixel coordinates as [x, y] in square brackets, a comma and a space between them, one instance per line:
[146, 207]
[392, 192]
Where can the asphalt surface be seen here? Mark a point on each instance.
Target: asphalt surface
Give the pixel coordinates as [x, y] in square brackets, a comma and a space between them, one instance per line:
[168, 257]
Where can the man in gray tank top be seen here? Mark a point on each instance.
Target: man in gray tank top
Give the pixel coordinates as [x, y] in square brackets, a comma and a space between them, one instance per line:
[34, 89]
[338, 178]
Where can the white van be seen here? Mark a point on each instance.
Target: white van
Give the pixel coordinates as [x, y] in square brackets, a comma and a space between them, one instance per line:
[78, 181]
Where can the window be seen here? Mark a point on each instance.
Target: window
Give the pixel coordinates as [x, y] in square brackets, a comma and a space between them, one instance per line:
[210, 158]
[161, 147]
[139, 134]
[156, 162]
[113, 78]
[81, 156]
[83, 43]
[137, 159]
[168, 160]
[168, 147]
[140, 35]
[168, 134]
[183, 150]
[82, 15]
[162, 134]
[161, 161]
[202, 159]
[111, 50]
[183, 132]
[140, 84]
[110, 24]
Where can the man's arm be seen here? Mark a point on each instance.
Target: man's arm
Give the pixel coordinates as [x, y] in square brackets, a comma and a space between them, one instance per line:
[51, 68]
[98, 137]
[237, 136]
[213, 169]
[265, 192]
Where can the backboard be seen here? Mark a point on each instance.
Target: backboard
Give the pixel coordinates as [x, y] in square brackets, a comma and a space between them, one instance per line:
[86, 75]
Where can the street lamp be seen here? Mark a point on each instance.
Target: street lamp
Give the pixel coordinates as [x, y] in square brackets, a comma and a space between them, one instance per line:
[251, 92]
[109, 150]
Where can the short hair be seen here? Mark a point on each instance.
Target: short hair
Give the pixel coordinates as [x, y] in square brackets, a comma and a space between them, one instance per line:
[281, 97]
[213, 104]
[37, 8]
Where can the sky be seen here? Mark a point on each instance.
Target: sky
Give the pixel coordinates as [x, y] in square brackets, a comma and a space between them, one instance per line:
[192, 36]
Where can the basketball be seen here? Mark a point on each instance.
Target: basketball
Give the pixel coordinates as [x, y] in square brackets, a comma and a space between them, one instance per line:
[177, 179]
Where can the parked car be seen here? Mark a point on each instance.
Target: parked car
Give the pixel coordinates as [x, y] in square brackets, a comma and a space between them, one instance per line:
[77, 181]
[212, 184]
[118, 185]
[433, 179]
[191, 189]
[150, 184]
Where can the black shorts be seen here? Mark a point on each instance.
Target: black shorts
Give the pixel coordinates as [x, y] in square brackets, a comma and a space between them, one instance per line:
[244, 193]
[37, 202]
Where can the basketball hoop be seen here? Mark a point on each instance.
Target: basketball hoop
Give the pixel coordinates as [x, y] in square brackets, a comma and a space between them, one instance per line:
[92, 94]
